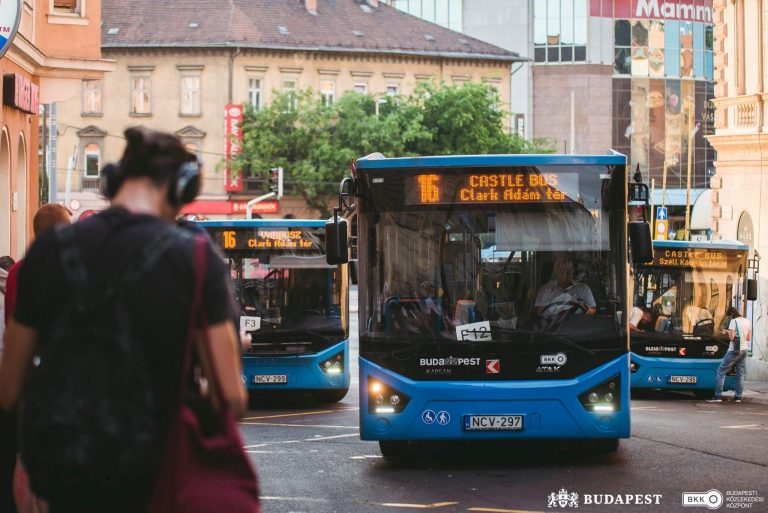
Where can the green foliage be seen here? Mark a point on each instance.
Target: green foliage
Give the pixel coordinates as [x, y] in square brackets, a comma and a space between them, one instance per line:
[315, 144]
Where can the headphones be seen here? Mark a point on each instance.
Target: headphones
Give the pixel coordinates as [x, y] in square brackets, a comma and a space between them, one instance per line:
[185, 182]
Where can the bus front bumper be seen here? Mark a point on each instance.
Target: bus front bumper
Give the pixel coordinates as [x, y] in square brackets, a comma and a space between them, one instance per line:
[676, 373]
[446, 410]
[296, 372]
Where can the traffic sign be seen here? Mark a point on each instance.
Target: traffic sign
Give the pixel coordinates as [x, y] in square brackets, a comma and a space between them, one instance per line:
[661, 230]
[661, 213]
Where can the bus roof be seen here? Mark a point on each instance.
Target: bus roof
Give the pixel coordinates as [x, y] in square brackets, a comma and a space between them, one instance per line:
[378, 161]
[709, 244]
[265, 223]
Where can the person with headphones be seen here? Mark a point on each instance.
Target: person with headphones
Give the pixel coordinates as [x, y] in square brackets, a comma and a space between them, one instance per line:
[147, 188]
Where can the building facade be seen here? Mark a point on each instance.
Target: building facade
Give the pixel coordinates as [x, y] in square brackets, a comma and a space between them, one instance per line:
[38, 69]
[605, 74]
[180, 76]
[740, 185]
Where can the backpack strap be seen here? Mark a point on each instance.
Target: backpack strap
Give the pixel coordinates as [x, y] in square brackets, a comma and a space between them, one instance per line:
[737, 338]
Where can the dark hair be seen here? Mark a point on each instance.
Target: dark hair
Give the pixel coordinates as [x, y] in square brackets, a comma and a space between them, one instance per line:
[733, 312]
[6, 262]
[152, 154]
[48, 216]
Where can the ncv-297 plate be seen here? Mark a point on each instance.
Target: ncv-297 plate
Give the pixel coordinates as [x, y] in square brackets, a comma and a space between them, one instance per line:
[493, 422]
[682, 380]
[270, 379]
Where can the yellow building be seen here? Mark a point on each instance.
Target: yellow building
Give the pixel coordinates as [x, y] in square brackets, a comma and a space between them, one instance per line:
[740, 187]
[177, 69]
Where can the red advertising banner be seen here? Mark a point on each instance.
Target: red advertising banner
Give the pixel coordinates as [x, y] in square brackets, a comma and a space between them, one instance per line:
[682, 10]
[222, 207]
[233, 141]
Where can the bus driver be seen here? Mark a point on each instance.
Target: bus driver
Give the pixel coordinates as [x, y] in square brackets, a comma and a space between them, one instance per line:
[562, 295]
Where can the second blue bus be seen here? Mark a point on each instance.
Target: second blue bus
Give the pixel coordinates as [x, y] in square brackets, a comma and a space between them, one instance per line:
[293, 303]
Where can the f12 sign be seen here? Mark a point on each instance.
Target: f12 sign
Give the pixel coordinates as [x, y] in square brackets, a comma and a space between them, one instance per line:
[10, 14]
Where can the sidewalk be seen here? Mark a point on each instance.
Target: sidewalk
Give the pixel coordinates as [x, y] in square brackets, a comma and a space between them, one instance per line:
[754, 392]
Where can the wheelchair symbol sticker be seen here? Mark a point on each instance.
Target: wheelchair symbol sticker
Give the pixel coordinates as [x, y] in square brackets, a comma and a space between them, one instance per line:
[443, 418]
[428, 417]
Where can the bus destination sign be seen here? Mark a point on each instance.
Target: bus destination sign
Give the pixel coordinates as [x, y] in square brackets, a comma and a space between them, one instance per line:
[478, 188]
[696, 258]
[279, 239]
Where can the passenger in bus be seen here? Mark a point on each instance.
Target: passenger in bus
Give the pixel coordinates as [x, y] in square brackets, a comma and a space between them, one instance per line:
[662, 324]
[640, 319]
[562, 295]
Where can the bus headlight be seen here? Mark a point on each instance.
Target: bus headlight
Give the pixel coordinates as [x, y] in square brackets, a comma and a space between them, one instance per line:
[382, 398]
[334, 364]
[605, 397]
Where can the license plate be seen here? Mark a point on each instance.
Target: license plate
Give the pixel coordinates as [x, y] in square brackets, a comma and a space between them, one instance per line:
[264, 379]
[686, 380]
[493, 422]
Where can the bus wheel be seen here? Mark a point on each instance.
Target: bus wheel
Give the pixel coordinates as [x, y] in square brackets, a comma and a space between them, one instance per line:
[393, 450]
[607, 445]
[329, 396]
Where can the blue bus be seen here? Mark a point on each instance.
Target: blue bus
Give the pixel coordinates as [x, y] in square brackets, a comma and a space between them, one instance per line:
[687, 290]
[293, 303]
[465, 331]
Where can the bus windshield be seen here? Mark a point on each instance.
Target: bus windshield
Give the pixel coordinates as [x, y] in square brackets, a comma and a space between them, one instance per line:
[468, 256]
[687, 290]
[291, 301]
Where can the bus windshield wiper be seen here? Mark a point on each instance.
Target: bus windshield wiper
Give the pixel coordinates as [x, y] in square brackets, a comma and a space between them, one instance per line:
[556, 336]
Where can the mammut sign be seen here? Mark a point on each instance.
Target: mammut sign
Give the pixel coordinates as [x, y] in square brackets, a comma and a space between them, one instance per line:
[682, 10]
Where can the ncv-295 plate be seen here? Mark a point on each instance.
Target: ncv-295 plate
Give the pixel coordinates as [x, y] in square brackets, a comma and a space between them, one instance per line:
[493, 422]
[682, 380]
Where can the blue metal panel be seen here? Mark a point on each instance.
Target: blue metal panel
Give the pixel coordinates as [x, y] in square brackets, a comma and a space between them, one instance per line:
[377, 162]
[303, 371]
[683, 244]
[654, 371]
[264, 223]
[551, 408]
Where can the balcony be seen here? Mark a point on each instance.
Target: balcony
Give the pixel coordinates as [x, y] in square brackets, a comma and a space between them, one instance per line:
[741, 115]
[79, 182]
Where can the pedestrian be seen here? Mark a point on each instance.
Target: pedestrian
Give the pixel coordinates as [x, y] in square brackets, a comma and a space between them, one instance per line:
[46, 217]
[740, 334]
[144, 286]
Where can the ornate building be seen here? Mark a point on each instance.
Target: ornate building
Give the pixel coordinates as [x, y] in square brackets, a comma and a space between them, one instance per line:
[740, 186]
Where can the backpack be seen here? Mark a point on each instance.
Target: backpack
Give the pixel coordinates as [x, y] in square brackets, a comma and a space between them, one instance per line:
[88, 422]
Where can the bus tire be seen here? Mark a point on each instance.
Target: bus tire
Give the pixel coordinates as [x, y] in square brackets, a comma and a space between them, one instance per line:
[394, 450]
[329, 396]
[607, 445]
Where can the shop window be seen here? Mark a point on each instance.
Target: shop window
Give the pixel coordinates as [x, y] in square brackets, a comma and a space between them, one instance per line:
[447, 13]
[92, 159]
[560, 31]
[92, 97]
[255, 93]
[141, 95]
[190, 95]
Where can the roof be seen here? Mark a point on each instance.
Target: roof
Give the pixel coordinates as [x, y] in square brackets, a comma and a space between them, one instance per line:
[338, 26]
[377, 161]
[265, 223]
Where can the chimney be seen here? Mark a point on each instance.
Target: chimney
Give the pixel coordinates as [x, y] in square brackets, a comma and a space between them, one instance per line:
[311, 6]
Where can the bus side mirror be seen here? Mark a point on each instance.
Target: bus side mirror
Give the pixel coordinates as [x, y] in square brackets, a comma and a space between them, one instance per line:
[751, 290]
[336, 246]
[641, 245]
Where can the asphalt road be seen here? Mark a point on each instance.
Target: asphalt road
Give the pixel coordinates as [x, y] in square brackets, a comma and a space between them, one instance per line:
[310, 458]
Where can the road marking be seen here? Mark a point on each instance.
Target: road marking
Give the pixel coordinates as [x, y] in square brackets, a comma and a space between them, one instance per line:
[418, 506]
[744, 426]
[643, 407]
[330, 437]
[496, 510]
[298, 499]
[366, 456]
[289, 415]
[278, 424]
